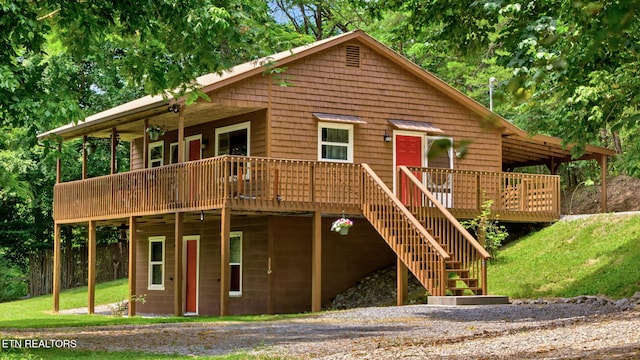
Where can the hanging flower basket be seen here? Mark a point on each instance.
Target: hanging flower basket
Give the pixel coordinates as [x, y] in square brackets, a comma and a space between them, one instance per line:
[155, 132]
[342, 225]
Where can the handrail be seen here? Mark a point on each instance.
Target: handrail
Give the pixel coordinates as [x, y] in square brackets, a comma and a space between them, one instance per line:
[437, 204]
[515, 196]
[407, 214]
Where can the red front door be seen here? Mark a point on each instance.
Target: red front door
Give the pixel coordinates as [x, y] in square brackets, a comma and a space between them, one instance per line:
[408, 152]
[194, 150]
[192, 277]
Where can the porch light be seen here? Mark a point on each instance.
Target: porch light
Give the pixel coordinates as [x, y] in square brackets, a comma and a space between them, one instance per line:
[201, 215]
[386, 136]
[174, 108]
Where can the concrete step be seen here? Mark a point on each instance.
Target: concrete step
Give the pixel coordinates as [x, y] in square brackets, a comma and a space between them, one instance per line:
[468, 300]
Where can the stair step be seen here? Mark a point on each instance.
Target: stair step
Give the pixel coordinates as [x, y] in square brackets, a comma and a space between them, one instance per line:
[468, 281]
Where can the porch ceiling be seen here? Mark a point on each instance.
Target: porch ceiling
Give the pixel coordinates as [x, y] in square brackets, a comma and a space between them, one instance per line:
[131, 126]
[518, 151]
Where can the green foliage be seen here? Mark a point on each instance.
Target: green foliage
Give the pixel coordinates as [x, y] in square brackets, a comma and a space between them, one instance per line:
[12, 282]
[598, 255]
[489, 233]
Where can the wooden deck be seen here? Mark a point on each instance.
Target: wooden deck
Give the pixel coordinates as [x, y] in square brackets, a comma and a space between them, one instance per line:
[280, 185]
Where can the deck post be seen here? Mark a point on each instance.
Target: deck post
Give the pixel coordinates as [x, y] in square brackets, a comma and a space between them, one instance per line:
[603, 188]
[316, 262]
[145, 145]
[59, 164]
[114, 143]
[177, 272]
[402, 282]
[84, 157]
[92, 268]
[56, 267]
[132, 266]
[225, 271]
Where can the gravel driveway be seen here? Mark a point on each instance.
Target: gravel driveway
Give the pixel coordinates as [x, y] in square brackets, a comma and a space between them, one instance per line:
[556, 331]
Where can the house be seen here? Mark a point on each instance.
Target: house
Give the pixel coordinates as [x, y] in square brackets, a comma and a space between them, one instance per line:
[230, 202]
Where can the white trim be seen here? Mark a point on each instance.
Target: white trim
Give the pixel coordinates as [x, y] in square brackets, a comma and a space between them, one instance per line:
[186, 147]
[152, 145]
[239, 234]
[349, 144]
[195, 238]
[436, 138]
[150, 286]
[231, 128]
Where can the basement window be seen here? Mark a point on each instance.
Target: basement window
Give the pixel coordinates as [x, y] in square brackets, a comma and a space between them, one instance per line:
[235, 263]
[156, 263]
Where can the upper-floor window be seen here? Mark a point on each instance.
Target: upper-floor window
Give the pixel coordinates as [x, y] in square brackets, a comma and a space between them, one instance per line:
[156, 154]
[335, 142]
[233, 139]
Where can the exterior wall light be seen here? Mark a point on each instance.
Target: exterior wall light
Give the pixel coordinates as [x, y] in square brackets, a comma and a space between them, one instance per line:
[386, 136]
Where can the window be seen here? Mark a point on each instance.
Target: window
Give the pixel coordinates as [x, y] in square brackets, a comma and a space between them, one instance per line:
[235, 263]
[335, 142]
[156, 154]
[233, 139]
[156, 263]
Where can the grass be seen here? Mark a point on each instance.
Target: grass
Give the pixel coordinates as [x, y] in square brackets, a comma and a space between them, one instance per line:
[37, 312]
[594, 256]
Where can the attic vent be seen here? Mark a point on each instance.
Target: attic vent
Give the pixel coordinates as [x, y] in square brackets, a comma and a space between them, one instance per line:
[353, 56]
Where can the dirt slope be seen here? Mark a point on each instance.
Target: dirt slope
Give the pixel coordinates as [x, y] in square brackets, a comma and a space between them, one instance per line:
[623, 194]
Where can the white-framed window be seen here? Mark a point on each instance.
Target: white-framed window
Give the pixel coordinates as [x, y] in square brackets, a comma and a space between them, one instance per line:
[156, 154]
[235, 263]
[233, 139]
[335, 142]
[156, 263]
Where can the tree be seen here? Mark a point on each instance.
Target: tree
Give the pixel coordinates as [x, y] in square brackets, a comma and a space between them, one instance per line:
[574, 62]
[61, 60]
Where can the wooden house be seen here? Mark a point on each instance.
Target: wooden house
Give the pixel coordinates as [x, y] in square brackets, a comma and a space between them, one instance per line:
[230, 202]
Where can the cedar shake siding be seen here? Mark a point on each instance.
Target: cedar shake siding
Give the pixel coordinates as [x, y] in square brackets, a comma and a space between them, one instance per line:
[377, 91]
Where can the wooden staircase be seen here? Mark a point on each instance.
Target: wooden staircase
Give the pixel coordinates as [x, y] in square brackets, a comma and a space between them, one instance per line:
[433, 245]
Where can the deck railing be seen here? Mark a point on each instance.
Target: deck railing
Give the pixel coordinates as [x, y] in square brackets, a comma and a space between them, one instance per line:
[465, 250]
[516, 196]
[251, 183]
[267, 184]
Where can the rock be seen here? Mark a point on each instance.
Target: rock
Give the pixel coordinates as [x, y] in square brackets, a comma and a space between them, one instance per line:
[376, 289]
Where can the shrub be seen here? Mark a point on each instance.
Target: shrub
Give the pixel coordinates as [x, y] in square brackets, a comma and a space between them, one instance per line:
[489, 233]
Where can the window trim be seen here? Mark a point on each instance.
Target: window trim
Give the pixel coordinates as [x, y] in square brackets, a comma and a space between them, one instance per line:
[230, 128]
[150, 285]
[349, 145]
[153, 145]
[240, 235]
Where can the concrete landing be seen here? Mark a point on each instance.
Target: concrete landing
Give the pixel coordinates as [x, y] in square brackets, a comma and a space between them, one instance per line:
[468, 300]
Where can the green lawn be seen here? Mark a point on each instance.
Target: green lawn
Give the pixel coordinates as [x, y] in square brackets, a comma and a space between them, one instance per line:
[37, 312]
[596, 256]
